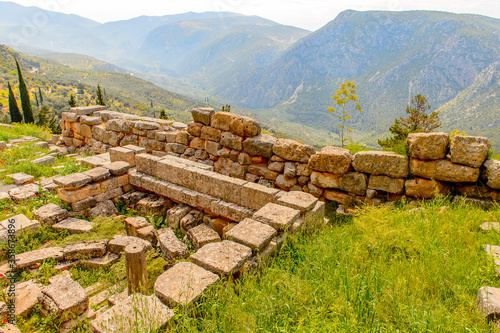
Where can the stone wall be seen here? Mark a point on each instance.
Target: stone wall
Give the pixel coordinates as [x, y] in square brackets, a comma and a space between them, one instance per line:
[234, 146]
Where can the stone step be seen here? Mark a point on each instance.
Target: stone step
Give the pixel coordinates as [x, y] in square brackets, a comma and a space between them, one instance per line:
[31, 258]
[74, 226]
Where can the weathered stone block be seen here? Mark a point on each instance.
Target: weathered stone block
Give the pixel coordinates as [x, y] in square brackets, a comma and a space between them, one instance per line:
[31, 258]
[425, 188]
[262, 170]
[301, 201]
[202, 115]
[276, 166]
[444, 170]
[194, 128]
[227, 167]
[117, 168]
[46, 160]
[428, 146]
[381, 163]
[122, 316]
[230, 210]
[210, 133]
[74, 226]
[147, 164]
[331, 159]
[222, 120]
[254, 234]
[292, 150]
[171, 246]
[488, 302]
[491, 173]
[85, 192]
[50, 214]
[87, 110]
[122, 154]
[257, 196]
[98, 174]
[197, 143]
[338, 196]
[85, 249]
[277, 216]
[90, 121]
[469, 150]
[64, 299]
[285, 183]
[118, 125]
[231, 140]
[387, 184]
[260, 145]
[175, 214]
[201, 235]
[183, 284]
[21, 178]
[244, 126]
[146, 126]
[222, 258]
[81, 205]
[119, 242]
[132, 224]
[73, 181]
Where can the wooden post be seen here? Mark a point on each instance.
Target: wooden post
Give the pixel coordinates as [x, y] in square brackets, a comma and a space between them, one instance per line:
[137, 273]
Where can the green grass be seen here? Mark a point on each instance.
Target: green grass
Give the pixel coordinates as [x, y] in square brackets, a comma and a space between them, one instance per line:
[384, 271]
[20, 130]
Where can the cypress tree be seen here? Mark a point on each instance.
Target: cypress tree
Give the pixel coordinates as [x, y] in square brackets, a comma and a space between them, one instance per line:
[15, 114]
[41, 96]
[25, 97]
[36, 100]
[99, 96]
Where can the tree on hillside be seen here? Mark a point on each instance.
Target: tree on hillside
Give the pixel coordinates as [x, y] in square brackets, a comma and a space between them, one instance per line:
[417, 121]
[41, 96]
[15, 114]
[99, 96]
[226, 108]
[46, 117]
[25, 97]
[345, 93]
[163, 114]
[72, 101]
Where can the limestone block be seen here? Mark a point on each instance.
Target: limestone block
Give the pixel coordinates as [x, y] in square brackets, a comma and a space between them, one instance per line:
[50, 214]
[290, 170]
[428, 146]
[338, 196]
[182, 137]
[477, 191]
[381, 163]
[146, 125]
[469, 150]
[85, 249]
[183, 284]
[260, 145]
[81, 205]
[171, 246]
[194, 128]
[210, 133]
[122, 154]
[331, 159]
[80, 194]
[425, 188]
[31, 258]
[117, 168]
[491, 173]
[222, 120]
[301, 201]
[292, 150]
[154, 205]
[69, 116]
[231, 140]
[87, 110]
[257, 196]
[488, 302]
[387, 184]
[201, 235]
[118, 125]
[314, 190]
[191, 220]
[90, 120]
[26, 297]
[285, 183]
[73, 181]
[104, 208]
[444, 170]
[276, 166]
[227, 167]
[132, 224]
[254, 234]
[222, 258]
[74, 226]
[203, 115]
[262, 170]
[98, 174]
[46, 160]
[19, 222]
[197, 143]
[147, 164]
[175, 214]
[118, 243]
[21, 178]
[244, 126]
[212, 147]
[230, 210]
[121, 317]
[277, 216]
[64, 299]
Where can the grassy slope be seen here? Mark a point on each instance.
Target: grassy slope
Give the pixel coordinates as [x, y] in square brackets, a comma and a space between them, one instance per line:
[386, 270]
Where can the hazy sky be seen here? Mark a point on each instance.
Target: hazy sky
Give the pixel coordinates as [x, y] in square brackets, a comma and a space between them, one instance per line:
[307, 14]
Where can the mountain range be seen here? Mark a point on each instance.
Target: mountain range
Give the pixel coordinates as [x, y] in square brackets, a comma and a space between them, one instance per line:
[286, 75]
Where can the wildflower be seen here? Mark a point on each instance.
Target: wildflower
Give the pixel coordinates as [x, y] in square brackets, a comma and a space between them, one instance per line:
[130, 205]
[37, 266]
[85, 214]
[65, 268]
[4, 320]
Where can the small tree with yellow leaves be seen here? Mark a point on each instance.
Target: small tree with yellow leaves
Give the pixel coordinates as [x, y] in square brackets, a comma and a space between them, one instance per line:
[345, 93]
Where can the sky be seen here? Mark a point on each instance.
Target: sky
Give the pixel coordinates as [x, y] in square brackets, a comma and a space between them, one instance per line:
[306, 14]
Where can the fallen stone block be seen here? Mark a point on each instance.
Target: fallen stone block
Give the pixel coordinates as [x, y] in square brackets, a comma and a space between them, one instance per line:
[491, 173]
[147, 233]
[175, 214]
[64, 299]
[107, 260]
[85, 249]
[254, 234]
[98, 174]
[486, 226]
[201, 235]
[24, 193]
[488, 302]
[183, 284]
[74, 226]
[93, 161]
[31, 258]
[21, 178]
[277, 216]
[73, 181]
[104, 208]
[81, 205]
[132, 224]
[117, 168]
[17, 224]
[171, 246]
[50, 214]
[46, 160]
[222, 258]
[135, 313]
[80, 194]
[26, 297]
[118, 243]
